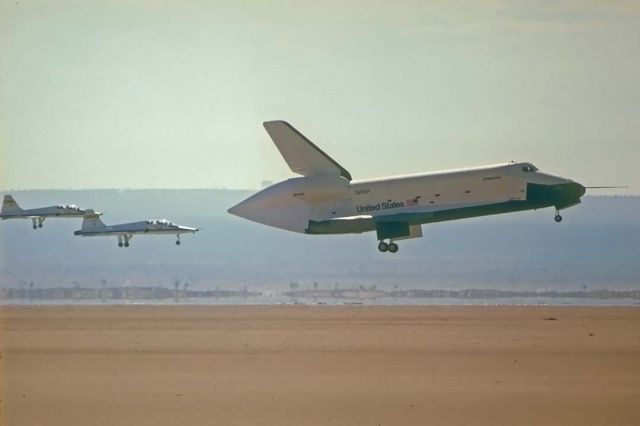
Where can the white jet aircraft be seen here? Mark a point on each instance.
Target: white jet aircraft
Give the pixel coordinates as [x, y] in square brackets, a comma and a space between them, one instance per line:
[11, 210]
[92, 226]
[326, 200]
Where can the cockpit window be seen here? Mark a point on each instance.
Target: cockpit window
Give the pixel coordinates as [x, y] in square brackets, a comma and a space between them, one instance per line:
[529, 169]
[159, 222]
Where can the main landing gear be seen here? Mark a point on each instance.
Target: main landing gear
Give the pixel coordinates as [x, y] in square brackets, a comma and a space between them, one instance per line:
[391, 247]
[178, 240]
[558, 218]
[37, 222]
[126, 240]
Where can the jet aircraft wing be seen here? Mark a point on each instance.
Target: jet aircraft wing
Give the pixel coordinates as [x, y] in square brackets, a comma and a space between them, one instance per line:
[302, 156]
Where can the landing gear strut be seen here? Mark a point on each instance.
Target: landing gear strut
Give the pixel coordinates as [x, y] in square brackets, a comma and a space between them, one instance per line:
[178, 240]
[558, 218]
[126, 240]
[37, 222]
[391, 247]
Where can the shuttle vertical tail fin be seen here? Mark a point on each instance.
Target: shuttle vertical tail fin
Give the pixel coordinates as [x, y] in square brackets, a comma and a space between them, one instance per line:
[91, 222]
[9, 205]
[302, 156]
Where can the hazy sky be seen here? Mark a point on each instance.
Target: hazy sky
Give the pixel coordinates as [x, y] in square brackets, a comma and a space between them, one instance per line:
[143, 94]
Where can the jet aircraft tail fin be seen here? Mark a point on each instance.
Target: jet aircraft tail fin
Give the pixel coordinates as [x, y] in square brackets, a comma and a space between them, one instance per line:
[302, 156]
[9, 205]
[91, 222]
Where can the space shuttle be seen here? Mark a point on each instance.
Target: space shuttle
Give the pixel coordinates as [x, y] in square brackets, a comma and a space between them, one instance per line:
[326, 199]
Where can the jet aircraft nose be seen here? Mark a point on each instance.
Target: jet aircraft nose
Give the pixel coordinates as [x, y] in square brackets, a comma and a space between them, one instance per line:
[188, 229]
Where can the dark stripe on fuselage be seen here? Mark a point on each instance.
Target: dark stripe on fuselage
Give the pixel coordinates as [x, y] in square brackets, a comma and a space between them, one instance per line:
[538, 196]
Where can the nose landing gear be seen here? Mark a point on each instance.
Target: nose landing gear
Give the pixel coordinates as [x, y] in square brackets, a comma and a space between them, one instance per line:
[557, 217]
[391, 247]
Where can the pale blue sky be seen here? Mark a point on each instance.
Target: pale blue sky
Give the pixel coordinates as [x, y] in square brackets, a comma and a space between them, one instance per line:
[141, 94]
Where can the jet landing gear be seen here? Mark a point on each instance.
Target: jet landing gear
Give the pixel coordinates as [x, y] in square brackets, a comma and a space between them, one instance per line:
[37, 222]
[391, 247]
[557, 217]
[126, 240]
[178, 240]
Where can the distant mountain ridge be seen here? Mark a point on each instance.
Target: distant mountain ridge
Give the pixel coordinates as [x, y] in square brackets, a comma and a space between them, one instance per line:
[597, 246]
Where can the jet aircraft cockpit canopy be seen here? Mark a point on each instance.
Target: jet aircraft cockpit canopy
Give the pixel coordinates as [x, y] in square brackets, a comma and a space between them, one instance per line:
[159, 222]
[69, 207]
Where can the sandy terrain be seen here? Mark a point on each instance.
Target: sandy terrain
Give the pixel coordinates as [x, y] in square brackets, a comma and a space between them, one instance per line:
[319, 365]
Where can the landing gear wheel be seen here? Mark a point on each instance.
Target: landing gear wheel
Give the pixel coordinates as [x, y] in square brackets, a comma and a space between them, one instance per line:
[383, 246]
[120, 244]
[39, 225]
[393, 248]
[126, 244]
[558, 218]
[178, 242]
[35, 226]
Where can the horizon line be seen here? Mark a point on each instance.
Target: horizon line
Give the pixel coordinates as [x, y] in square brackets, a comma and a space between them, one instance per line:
[629, 194]
[130, 189]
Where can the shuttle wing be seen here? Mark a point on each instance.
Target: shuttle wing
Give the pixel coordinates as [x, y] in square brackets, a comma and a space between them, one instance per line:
[302, 156]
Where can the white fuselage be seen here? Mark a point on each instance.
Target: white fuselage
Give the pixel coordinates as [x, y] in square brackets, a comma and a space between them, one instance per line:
[136, 228]
[291, 204]
[92, 226]
[45, 212]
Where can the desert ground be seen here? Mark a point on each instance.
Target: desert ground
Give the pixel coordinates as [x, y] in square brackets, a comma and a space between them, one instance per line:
[320, 365]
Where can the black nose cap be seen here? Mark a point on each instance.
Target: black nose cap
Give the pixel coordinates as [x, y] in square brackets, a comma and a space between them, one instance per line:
[568, 194]
[574, 190]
